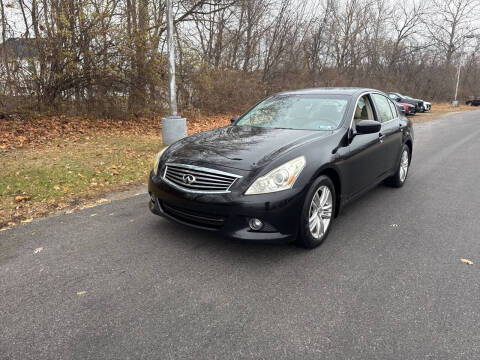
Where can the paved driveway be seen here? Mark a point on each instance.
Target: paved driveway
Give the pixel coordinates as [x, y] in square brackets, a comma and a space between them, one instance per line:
[116, 282]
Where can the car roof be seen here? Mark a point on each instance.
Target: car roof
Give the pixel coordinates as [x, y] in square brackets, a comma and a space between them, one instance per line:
[328, 91]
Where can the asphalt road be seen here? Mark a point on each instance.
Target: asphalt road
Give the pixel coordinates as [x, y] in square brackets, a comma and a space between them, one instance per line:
[116, 282]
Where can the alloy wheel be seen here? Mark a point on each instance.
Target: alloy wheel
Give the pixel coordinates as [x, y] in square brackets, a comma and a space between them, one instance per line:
[320, 213]
[403, 166]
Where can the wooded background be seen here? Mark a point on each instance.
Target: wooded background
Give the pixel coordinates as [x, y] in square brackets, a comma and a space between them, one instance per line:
[108, 57]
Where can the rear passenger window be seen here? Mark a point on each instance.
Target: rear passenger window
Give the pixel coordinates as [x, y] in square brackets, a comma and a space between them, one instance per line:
[382, 104]
[394, 109]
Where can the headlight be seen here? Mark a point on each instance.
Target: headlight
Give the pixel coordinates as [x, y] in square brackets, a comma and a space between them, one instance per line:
[281, 178]
[156, 162]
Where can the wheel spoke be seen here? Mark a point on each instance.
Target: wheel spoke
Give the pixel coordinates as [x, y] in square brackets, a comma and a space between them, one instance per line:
[314, 228]
[321, 228]
[326, 222]
[316, 200]
[325, 196]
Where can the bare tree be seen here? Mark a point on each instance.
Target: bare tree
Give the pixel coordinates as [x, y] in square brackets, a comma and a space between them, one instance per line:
[108, 57]
[451, 21]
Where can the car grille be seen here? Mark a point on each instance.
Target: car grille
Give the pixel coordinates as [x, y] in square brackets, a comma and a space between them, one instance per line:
[197, 179]
[193, 217]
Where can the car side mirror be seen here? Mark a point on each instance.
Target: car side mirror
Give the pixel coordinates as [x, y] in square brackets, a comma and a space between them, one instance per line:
[368, 127]
[234, 119]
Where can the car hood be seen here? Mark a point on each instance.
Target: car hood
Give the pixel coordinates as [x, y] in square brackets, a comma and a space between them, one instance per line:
[239, 147]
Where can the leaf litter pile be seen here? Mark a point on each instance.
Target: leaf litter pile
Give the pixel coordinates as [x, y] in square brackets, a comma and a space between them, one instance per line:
[61, 163]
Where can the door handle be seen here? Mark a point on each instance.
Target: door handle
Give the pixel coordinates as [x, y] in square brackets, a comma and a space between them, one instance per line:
[381, 137]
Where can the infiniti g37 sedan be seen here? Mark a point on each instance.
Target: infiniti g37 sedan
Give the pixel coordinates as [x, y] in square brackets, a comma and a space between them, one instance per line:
[285, 168]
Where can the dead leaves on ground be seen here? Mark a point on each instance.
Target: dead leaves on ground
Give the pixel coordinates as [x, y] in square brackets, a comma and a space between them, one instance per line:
[204, 123]
[115, 168]
[16, 133]
[26, 215]
[22, 198]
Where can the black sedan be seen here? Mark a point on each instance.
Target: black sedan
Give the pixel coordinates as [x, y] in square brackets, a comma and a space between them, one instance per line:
[285, 168]
[473, 102]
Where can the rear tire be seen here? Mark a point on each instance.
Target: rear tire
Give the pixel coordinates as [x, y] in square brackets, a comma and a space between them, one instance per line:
[400, 176]
[317, 213]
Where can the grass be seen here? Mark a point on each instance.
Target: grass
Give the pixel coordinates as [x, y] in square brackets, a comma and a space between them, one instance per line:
[38, 181]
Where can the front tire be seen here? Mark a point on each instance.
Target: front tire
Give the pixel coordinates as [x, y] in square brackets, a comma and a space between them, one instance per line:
[317, 213]
[400, 176]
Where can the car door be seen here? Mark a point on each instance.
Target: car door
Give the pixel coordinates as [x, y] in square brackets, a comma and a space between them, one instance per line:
[390, 133]
[363, 162]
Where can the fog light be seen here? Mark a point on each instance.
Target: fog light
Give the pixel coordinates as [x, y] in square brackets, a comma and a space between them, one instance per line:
[255, 224]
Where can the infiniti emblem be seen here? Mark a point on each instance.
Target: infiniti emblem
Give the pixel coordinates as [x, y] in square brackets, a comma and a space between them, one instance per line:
[188, 179]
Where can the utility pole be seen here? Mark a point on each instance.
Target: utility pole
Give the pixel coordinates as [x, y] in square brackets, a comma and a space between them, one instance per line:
[455, 102]
[174, 127]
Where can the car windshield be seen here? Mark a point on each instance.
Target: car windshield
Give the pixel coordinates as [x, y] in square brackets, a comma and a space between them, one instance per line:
[302, 112]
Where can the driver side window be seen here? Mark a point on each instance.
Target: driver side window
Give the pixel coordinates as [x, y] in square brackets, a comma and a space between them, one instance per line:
[363, 110]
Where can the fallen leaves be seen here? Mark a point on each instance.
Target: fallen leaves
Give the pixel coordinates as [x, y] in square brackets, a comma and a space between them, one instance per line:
[204, 123]
[466, 261]
[46, 130]
[80, 293]
[22, 198]
[37, 250]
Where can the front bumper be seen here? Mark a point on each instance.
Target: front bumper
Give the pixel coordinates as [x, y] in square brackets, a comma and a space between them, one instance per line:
[228, 214]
